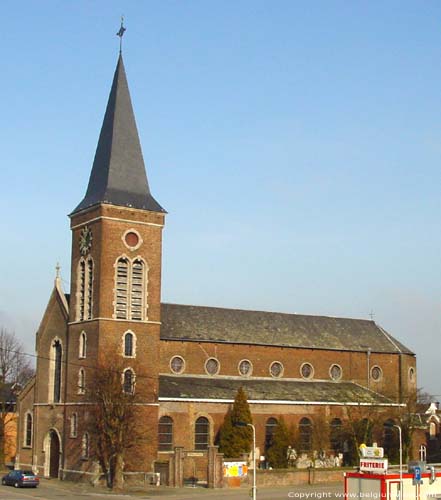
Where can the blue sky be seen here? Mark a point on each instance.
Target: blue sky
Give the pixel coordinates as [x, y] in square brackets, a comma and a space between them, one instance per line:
[296, 146]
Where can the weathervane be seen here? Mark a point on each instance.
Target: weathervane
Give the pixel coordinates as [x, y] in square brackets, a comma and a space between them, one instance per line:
[121, 33]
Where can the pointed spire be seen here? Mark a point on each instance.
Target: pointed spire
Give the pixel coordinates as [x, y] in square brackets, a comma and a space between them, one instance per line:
[118, 174]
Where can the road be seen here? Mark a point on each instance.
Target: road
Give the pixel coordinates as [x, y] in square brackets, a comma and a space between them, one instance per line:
[51, 490]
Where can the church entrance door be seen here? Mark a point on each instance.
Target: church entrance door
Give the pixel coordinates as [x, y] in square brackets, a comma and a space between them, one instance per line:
[54, 464]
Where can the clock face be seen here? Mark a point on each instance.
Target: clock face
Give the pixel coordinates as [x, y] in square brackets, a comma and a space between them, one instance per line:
[85, 240]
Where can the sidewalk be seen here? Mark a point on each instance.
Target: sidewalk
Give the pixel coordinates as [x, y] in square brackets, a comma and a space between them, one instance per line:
[189, 493]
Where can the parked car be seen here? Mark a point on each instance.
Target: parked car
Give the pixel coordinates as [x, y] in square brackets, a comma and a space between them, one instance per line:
[21, 479]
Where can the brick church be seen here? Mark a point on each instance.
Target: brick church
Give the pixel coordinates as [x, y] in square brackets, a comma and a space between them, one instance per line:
[185, 362]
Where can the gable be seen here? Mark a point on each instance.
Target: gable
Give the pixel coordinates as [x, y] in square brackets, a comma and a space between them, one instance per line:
[55, 318]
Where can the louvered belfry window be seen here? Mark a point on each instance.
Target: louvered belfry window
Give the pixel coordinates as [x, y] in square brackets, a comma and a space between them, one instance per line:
[89, 288]
[130, 289]
[137, 290]
[82, 289]
[122, 288]
[85, 289]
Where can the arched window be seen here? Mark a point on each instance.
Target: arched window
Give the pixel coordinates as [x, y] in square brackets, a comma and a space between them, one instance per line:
[85, 442]
[305, 434]
[129, 345]
[336, 435]
[165, 434]
[73, 425]
[122, 289]
[85, 289]
[81, 289]
[89, 293]
[55, 370]
[130, 289]
[129, 381]
[432, 430]
[81, 381]
[28, 430]
[270, 427]
[391, 441]
[82, 351]
[201, 433]
[137, 291]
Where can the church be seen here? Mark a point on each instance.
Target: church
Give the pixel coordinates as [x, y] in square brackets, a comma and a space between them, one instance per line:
[185, 362]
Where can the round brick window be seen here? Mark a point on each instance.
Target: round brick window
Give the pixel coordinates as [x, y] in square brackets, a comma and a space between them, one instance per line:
[212, 366]
[131, 239]
[412, 374]
[177, 364]
[376, 373]
[335, 372]
[245, 367]
[307, 370]
[276, 369]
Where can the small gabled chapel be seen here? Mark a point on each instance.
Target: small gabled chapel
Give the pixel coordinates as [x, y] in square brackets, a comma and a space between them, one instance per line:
[185, 362]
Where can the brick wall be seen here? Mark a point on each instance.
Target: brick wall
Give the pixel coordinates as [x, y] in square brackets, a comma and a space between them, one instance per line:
[353, 364]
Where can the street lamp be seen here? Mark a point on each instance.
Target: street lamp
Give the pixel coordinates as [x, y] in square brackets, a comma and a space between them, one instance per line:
[389, 425]
[245, 424]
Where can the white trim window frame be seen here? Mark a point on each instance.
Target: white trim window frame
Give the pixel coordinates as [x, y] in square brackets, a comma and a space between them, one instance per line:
[129, 348]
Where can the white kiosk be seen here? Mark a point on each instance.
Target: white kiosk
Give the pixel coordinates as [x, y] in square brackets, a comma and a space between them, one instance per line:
[375, 482]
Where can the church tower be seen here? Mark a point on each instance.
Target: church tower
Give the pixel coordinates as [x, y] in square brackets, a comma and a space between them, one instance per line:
[115, 294]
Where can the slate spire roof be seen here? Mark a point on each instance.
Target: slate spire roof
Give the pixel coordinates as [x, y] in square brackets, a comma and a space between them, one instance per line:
[118, 174]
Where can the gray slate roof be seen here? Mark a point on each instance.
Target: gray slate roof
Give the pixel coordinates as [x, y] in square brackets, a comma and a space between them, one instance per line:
[213, 324]
[118, 173]
[182, 387]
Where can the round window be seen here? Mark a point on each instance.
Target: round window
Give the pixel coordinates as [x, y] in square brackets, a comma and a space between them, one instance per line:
[132, 239]
[276, 369]
[177, 364]
[376, 373]
[245, 367]
[335, 372]
[307, 370]
[212, 366]
[412, 374]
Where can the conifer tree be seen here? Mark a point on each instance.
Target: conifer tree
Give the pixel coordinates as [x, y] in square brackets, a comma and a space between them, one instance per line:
[234, 440]
[277, 453]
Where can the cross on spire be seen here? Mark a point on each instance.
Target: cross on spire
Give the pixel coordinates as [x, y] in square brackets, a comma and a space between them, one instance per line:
[121, 33]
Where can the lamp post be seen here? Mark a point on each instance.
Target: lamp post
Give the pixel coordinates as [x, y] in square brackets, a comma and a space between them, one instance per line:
[245, 424]
[389, 425]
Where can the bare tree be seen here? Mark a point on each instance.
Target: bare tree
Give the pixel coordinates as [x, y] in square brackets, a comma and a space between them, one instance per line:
[15, 371]
[113, 419]
[410, 418]
[15, 366]
[360, 427]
